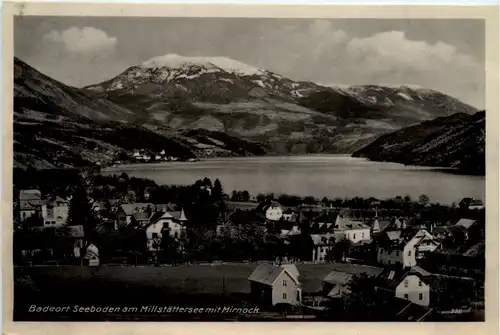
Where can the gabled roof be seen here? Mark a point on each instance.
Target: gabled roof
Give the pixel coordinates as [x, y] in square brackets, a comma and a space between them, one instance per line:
[466, 223]
[393, 235]
[267, 274]
[391, 278]
[55, 201]
[30, 195]
[30, 204]
[292, 270]
[129, 209]
[341, 273]
[476, 202]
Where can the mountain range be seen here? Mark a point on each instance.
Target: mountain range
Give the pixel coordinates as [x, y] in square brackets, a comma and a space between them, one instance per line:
[178, 103]
[456, 141]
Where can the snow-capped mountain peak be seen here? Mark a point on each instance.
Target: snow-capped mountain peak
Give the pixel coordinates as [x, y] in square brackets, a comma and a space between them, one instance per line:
[174, 61]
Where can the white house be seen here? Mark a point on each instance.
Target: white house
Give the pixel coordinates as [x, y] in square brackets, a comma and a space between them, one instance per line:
[412, 284]
[173, 222]
[30, 202]
[55, 212]
[395, 248]
[271, 285]
[273, 211]
[354, 231]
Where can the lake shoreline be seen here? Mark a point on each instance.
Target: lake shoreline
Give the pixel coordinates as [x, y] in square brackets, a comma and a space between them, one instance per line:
[317, 175]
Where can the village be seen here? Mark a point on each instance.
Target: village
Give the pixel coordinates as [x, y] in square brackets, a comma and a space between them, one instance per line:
[396, 259]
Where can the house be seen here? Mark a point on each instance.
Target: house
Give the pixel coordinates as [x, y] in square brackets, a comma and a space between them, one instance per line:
[404, 248]
[354, 231]
[428, 289]
[458, 232]
[273, 210]
[162, 152]
[55, 212]
[30, 202]
[136, 154]
[271, 285]
[322, 247]
[471, 204]
[125, 212]
[161, 222]
[335, 284]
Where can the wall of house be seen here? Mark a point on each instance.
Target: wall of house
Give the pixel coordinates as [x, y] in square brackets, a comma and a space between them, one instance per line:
[319, 253]
[285, 290]
[387, 256]
[261, 293]
[356, 235]
[55, 216]
[27, 213]
[274, 213]
[154, 228]
[175, 228]
[414, 290]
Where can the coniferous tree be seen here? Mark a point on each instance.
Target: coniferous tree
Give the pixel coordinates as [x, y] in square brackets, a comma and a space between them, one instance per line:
[80, 211]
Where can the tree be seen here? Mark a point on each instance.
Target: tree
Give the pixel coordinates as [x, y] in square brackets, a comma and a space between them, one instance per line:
[217, 190]
[423, 200]
[80, 211]
[245, 196]
[362, 302]
[342, 249]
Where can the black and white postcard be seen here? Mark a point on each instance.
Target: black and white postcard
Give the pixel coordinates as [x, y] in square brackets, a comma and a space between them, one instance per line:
[285, 164]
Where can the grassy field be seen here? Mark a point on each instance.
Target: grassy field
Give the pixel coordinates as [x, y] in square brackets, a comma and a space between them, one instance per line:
[186, 285]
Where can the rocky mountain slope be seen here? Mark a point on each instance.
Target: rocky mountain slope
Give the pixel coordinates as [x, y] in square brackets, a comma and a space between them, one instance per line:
[186, 104]
[58, 125]
[221, 94]
[456, 141]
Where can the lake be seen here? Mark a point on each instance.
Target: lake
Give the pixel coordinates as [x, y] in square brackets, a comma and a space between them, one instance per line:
[315, 175]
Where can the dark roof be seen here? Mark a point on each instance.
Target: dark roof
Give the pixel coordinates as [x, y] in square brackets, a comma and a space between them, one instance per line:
[129, 209]
[30, 195]
[25, 205]
[465, 223]
[390, 278]
[267, 274]
[341, 273]
[243, 205]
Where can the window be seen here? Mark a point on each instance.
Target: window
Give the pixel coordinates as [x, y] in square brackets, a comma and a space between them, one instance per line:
[409, 252]
[420, 296]
[419, 283]
[354, 236]
[406, 296]
[155, 235]
[397, 253]
[284, 295]
[154, 225]
[284, 282]
[362, 235]
[406, 283]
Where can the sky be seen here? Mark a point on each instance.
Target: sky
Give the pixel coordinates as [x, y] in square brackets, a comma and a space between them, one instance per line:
[447, 55]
